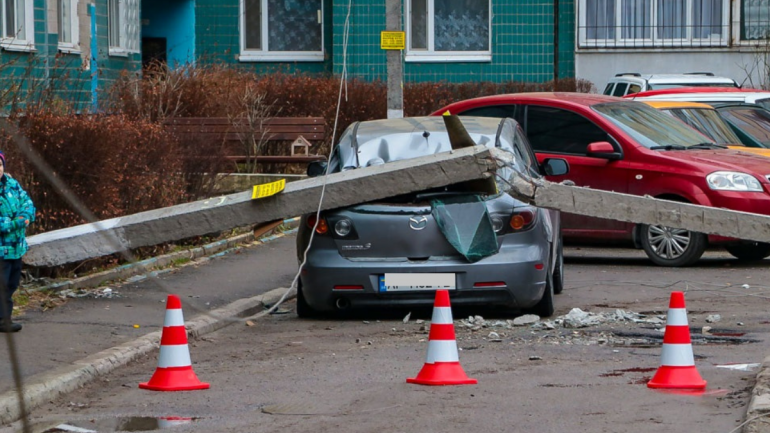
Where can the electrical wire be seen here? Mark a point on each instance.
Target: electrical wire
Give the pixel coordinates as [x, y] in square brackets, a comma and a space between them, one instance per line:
[343, 84]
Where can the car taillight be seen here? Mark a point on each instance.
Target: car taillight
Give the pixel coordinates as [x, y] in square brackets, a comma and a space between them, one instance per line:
[522, 220]
[322, 228]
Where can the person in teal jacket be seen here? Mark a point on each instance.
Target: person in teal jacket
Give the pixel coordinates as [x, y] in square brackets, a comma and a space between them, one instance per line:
[16, 212]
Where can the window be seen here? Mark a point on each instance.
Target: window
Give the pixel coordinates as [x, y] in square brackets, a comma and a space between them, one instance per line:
[448, 30]
[620, 89]
[68, 25]
[653, 23]
[751, 122]
[491, 111]
[18, 27]
[123, 26]
[553, 130]
[755, 19]
[281, 30]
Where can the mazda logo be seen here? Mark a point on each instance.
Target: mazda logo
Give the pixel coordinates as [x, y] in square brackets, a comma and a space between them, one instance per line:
[418, 223]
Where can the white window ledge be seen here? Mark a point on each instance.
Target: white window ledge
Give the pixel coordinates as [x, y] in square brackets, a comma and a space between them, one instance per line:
[16, 45]
[118, 52]
[448, 57]
[280, 57]
[67, 48]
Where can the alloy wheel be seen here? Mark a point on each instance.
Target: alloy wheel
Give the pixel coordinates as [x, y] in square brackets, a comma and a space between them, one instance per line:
[668, 243]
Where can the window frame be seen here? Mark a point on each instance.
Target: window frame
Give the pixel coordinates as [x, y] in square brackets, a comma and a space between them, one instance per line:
[653, 42]
[13, 43]
[122, 49]
[429, 54]
[737, 27]
[72, 46]
[264, 54]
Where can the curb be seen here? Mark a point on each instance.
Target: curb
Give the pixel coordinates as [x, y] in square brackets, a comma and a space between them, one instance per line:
[758, 411]
[44, 387]
[138, 271]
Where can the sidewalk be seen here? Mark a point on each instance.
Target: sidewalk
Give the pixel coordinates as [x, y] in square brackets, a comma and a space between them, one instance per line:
[91, 336]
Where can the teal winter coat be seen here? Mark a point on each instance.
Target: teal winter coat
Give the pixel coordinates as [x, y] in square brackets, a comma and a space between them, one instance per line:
[14, 203]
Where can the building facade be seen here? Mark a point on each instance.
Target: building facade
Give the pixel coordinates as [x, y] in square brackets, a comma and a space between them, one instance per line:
[726, 37]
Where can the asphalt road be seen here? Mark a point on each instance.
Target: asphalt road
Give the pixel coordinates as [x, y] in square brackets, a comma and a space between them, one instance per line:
[282, 373]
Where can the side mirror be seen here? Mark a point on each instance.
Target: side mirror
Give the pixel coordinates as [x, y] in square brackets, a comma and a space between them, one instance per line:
[555, 167]
[316, 168]
[603, 149]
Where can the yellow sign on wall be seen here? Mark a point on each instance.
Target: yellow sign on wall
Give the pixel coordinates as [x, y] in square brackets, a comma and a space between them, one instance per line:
[268, 189]
[393, 40]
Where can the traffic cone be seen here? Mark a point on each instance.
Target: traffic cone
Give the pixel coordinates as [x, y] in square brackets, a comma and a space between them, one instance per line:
[174, 372]
[442, 365]
[677, 366]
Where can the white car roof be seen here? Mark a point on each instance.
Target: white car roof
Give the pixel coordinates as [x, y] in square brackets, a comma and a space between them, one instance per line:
[677, 78]
[749, 97]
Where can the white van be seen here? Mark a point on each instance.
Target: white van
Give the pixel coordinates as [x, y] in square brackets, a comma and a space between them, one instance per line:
[633, 82]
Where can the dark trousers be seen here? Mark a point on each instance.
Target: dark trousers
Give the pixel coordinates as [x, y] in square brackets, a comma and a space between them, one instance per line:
[11, 276]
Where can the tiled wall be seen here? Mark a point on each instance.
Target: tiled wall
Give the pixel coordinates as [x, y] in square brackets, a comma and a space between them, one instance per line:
[217, 39]
[522, 44]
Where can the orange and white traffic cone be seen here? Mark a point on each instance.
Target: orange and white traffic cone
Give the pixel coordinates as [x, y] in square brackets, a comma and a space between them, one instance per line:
[442, 364]
[677, 364]
[174, 372]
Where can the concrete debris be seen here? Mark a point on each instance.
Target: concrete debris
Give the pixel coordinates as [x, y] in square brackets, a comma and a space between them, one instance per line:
[576, 318]
[527, 319]
[713, 318]
[746, 286]
[88, 293]
[705, 330]
[494, 337]
[406, 318]
[535, 358]
[739, 367]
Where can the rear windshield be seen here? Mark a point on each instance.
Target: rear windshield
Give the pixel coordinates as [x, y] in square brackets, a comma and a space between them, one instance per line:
[707, 122]
[648, 126]
[752, 121]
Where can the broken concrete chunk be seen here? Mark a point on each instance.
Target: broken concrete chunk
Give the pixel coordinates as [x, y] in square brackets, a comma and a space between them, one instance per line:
[713, 318]
[578, 318]
[526, 319]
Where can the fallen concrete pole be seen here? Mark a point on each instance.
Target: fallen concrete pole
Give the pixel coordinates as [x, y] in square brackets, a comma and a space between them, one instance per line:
[639, 209]
[238, 210]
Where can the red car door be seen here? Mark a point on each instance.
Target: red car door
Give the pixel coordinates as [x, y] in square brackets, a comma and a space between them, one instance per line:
[560, 133]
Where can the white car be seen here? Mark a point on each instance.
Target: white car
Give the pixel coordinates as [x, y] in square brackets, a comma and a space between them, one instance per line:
[707, 95]
[633, 82]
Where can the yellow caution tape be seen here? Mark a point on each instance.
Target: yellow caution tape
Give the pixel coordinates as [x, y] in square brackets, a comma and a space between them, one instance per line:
[268, 189]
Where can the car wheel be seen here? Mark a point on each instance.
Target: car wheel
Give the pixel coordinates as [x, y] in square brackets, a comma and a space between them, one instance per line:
[558, 270]
[304, 310]
[749, 252]
[667, 246]
[545, 307]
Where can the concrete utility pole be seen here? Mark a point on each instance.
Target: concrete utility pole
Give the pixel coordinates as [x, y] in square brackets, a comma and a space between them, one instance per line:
[240, 209]
[395, 66]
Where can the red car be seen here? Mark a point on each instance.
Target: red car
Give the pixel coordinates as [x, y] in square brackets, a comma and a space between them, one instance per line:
[629, 147]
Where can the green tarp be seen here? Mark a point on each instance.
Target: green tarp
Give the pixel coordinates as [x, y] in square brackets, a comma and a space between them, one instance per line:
[465, 223]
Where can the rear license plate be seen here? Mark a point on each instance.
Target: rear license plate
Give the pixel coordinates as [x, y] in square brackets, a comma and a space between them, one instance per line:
[416, 282]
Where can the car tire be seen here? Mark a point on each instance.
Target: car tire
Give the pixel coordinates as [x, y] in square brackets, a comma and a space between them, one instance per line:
[749, 252]
[304, 310]
[672, 247]
[545, 307]
[558, 270]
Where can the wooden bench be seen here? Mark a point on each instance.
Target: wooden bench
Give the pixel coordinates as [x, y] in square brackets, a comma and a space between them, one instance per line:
[232, 132]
